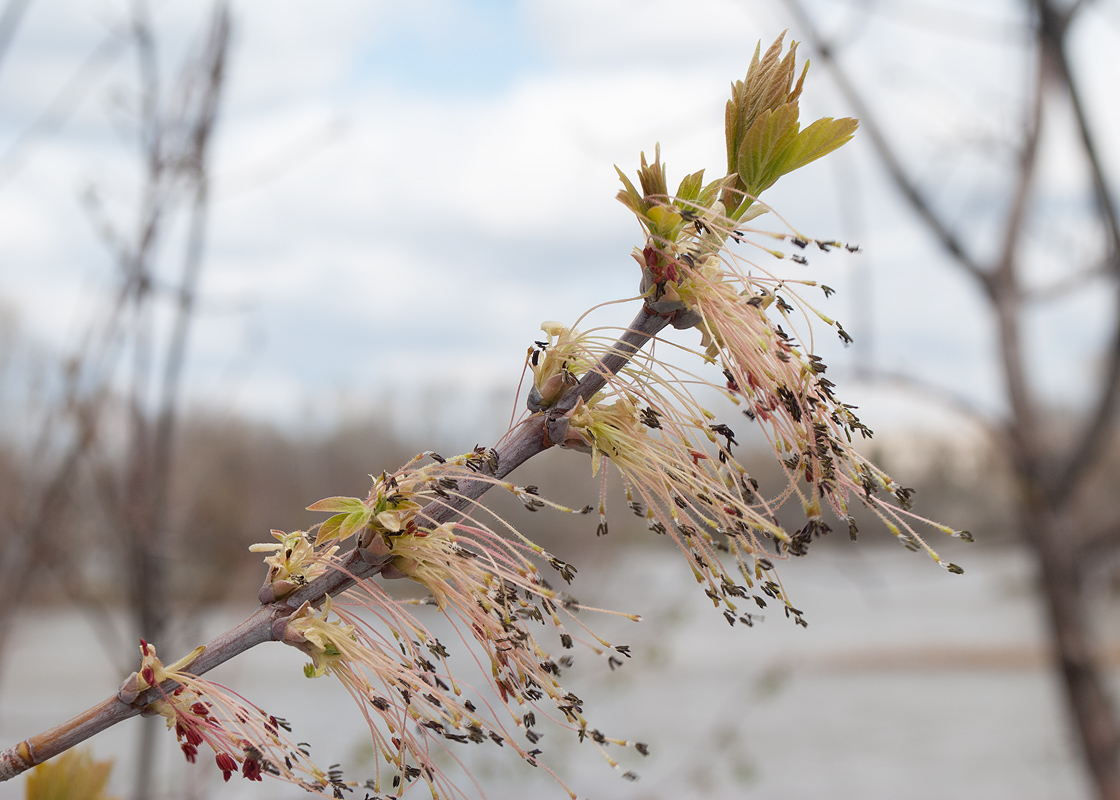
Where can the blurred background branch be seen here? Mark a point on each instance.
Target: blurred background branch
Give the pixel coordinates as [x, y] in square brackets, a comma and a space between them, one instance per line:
[155, 423]
[1053, 475]
[10, 18]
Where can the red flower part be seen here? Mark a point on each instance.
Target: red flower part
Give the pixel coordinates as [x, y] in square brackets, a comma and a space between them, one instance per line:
[226, 764]
[190, 751]
[149, 675]
[251, 769]
[200, 710]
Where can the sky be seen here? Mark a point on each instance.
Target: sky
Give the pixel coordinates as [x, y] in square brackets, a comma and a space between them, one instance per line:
[403, 192]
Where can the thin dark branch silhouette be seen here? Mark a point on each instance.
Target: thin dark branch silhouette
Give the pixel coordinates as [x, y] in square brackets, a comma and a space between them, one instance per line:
[1048, 477]
[891, 160]
[58, 110]
[615, 401]
[10, 20]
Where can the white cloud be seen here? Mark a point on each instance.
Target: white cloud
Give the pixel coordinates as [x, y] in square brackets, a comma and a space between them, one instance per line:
[432, 173]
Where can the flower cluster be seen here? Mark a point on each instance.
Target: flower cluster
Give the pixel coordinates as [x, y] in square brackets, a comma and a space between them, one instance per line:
[243, 737]
[640, 411]
[293, 563]
[649, 421]
[485, 580]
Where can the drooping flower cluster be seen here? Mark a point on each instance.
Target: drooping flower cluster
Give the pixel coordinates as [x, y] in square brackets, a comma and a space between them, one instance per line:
[671, 450]
[242, 737]
[392, 666]
[486, 583]
[652, 420]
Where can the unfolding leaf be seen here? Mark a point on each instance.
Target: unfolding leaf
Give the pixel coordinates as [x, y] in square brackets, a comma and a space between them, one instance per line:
[765, 88]
[690, 186]
[336, 504]
[329, 529]
[713, 190]
[761, 153]
[652, 176]
[630, 197]
[819, 139]
[353, 522]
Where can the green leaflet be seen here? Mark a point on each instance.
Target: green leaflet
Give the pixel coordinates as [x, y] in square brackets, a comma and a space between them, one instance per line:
[762, 149]
[819, 139]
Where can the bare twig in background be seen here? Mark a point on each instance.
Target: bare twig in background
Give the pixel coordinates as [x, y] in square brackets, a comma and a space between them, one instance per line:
[268, 623]
[9, 22]
[175, 132]
[55, 114]
[175, 142]
[1049, 480]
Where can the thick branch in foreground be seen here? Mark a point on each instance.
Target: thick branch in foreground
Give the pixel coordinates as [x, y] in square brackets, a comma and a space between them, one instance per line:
[269, 622]
[254, 630]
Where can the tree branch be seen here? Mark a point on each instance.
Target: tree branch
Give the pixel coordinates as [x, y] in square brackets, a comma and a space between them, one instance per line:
[1006, 296]
[37, 749]
[9, 22]
[267, 622]
[1097, 432]
[890, 159]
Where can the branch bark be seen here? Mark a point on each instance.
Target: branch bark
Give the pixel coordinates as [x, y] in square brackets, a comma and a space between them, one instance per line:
[267, 622]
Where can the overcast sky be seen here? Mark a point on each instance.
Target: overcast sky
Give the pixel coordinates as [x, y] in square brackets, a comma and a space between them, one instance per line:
[404, 191]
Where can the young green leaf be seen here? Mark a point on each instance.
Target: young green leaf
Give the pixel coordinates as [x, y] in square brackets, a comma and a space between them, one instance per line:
[337, 504]
[819, 139]
[762, 150]
[353, 522]
[766, 86]
[329, 529]
[690, 186]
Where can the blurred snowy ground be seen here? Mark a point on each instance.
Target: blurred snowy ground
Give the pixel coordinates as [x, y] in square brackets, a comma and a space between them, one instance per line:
[908, 682]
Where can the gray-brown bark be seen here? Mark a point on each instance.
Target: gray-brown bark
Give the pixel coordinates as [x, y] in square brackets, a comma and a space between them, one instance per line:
[267, 623]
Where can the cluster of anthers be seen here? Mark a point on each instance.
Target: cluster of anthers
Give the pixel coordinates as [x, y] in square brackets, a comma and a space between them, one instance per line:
[242, 737]
[486, 582]
[651, 419]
